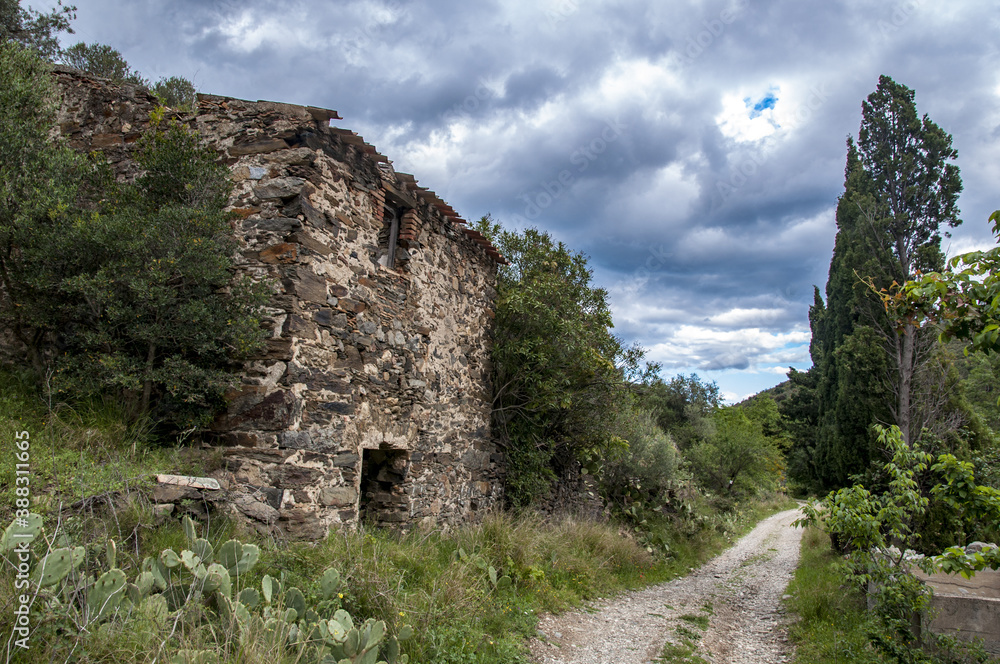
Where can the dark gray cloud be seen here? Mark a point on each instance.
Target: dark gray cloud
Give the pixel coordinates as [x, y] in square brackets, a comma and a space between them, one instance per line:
[620, 127]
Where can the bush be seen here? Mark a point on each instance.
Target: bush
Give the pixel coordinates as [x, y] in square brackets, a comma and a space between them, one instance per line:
[647, 469]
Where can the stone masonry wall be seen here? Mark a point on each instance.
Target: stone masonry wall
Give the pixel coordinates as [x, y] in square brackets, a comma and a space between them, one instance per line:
[373, 399]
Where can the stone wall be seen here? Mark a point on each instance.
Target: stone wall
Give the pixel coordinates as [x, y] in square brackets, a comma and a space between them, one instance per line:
[373, 399]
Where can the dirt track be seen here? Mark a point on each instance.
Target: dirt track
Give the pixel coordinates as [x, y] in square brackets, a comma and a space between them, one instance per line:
[726, 612]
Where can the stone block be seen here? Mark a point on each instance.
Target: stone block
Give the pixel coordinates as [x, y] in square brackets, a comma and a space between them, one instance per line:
[280, 253]
[172, 493]
[323, 317]
[311, 244]
[307, 285]
[339, 496]
[190, 482]
[271, 413]
[346, 460]
[258, 147]
[302, 524]
[294, 157]
[299, 326]
[315, 218]
[337, 407]
[352, 360]
[279, 349]
[290, 476]
[299, 440]
[255, 509]
[279, 188]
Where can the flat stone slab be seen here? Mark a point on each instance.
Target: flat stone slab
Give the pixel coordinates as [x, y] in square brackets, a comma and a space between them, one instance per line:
[983, 584]
[190, 482]
[965, 608]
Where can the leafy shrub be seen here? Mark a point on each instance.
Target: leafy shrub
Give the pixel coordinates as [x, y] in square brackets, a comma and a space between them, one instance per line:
[739, 459]
[647, 469]
[176, 92]
[878, 529]
[557, 377]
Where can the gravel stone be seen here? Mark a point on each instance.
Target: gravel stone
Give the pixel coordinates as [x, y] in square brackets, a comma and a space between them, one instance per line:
[744, 586]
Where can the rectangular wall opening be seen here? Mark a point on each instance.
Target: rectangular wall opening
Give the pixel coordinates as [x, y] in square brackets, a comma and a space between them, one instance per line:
[383, 498]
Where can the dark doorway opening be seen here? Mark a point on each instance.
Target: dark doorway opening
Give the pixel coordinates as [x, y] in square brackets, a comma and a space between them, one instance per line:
[383, 498]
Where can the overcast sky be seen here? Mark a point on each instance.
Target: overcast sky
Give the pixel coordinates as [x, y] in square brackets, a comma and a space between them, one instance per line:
[693, 150]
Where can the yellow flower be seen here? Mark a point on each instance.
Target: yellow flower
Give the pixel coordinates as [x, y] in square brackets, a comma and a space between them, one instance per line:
[402, 614]
[340, 595]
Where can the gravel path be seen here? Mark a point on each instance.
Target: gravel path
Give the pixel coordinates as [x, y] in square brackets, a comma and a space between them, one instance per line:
[726, 612]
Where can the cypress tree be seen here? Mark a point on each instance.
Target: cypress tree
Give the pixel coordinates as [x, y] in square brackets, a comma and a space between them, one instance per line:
[899, 188]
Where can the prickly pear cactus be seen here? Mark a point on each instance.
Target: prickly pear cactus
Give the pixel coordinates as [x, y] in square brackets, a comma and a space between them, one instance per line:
[106, 594]
[294, 599]
[238, 557]
[190, 532]
[111, 554]
[25, 531]
[329, 583]
[271, 588]
[56, 566]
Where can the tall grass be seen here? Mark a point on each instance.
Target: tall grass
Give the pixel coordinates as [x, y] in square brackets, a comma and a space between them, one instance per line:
[832, 624]
[91, 461]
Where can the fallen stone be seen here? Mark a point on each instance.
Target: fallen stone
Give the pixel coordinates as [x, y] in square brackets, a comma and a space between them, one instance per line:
[192, 482]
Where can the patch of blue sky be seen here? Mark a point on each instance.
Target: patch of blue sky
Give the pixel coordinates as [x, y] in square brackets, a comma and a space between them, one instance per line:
[767, 102]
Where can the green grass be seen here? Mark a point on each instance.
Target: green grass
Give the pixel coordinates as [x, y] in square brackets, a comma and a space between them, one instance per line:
[87, 451]
[684, 649]
[832, 625]
[90, 450]
[685, 652]
[701, 622]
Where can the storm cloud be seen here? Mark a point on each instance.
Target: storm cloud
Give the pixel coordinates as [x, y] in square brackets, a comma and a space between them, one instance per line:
[694, 150]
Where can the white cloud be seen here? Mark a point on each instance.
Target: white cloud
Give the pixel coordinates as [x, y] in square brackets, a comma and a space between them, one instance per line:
[741, 122]
[745, 317]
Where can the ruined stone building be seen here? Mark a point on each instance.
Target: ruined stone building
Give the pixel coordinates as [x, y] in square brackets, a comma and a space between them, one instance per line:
[373, 399]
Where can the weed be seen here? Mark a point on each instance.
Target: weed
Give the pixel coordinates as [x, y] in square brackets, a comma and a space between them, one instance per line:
[700, 621]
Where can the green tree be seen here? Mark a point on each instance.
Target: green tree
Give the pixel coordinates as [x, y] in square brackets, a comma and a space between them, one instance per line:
[104, 61]
[900, 187]
[557, 368]
[155, 313]
[33, 29]
[964, 299]
[40, 182]
[741, 458]
[120, 288]
[682, 406]
[915, 190]
[176, 92]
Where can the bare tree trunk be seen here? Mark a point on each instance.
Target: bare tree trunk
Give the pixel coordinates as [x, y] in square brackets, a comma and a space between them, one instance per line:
[907, 352]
